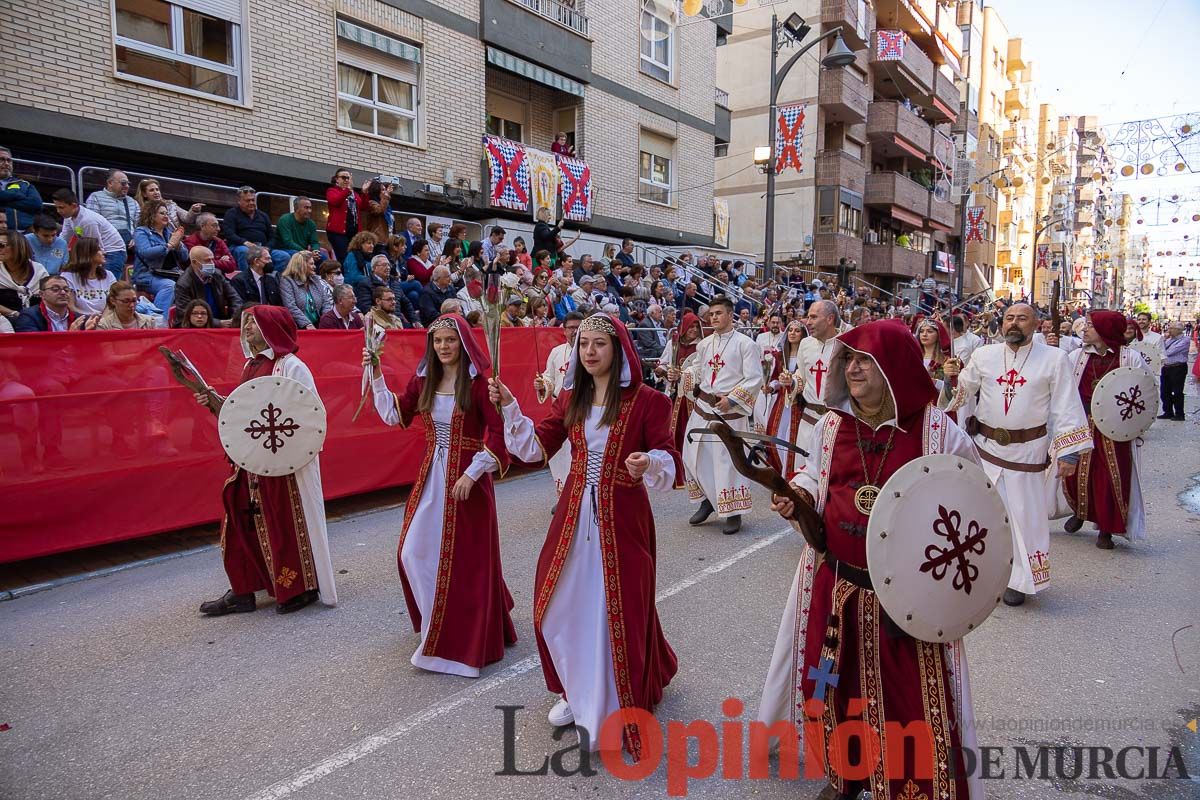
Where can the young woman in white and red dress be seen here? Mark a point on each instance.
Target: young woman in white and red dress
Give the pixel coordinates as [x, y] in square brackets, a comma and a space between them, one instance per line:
[598, 634]
[449, 553]
[785, 386]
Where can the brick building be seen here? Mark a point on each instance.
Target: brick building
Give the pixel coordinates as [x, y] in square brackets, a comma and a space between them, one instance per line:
[277, 94]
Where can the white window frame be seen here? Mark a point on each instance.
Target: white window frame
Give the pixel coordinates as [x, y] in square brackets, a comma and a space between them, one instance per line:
[524, 122]
[375, 72]
[647, 64]
[668, 186]
[241, 56]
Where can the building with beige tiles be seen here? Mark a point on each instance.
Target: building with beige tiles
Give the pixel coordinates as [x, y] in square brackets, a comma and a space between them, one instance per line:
[216, 93]
[873, 201]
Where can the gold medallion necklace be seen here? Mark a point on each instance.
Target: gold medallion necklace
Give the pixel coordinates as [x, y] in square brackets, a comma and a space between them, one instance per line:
[865, 495]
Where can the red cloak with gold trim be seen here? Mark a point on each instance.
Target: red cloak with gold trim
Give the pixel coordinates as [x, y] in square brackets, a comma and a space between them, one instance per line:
[471, 621]
[643, 662]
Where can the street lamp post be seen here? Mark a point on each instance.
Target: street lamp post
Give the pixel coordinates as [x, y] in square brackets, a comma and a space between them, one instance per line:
[838, 56]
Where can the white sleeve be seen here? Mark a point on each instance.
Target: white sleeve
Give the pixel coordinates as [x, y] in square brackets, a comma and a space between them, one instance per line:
[806, 477]
[660, 475]
[385, 401]
[745, 392]
[482, 463]
[969, 379]
[1068, 419]
[958, 443]
[519, 437]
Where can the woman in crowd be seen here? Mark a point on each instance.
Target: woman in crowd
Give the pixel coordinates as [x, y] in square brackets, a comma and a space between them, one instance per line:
[457, 236]
[377, 214]
[437, 240]
[333, 274]
[345, 208]
[421, 263]
[20, 275]
[636, 281]
[598, 634]
[159, 255]
[522, 253]
[783, 421]
[449, 551]
[87, 276]
[304, 294]
[197, 314]
[538, 313]
[149, 189]
[935, 346]
[610, 255]
[356, 265]
[120, 312]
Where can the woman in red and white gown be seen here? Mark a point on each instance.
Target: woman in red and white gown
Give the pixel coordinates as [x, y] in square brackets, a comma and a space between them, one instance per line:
[449, 551]
[594, 589]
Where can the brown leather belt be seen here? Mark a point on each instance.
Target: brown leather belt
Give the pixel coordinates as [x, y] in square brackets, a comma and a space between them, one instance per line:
[1005, 436]
[812, 412]
[1017, 466]
[711, 417]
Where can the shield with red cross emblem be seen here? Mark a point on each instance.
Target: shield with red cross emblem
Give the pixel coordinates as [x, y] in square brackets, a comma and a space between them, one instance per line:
[272, 425]
[939, 547]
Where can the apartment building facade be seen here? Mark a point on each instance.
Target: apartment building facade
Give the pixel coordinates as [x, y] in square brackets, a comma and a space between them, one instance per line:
[873, 200]
[278, 94]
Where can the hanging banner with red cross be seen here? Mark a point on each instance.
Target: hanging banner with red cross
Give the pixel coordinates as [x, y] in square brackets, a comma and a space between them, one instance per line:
[509, 175]
[1043, 256]
[975, 224]
[789, 138]
[576, 189]
[889, 45]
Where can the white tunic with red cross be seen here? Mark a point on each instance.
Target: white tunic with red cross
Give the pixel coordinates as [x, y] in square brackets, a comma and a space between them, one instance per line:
[726, 365]
[1021, 389]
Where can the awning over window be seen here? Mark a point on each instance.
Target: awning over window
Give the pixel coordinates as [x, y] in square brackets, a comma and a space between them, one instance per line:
[377, 41]
[533, 72]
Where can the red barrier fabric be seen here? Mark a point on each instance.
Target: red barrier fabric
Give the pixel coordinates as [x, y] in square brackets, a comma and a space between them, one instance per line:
[98, 443]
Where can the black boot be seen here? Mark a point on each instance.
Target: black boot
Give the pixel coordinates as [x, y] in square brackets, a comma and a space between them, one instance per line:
[702, 513]
[732, 524]
[1073, 524]
[229, 603]
[1013, 598]
[296, 603]
[1104, 541]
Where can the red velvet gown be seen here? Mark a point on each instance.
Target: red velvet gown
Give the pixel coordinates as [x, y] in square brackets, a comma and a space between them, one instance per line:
[643, 661]
[471, 622]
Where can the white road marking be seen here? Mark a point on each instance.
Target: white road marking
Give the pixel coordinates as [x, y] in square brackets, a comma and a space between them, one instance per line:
[364, 747]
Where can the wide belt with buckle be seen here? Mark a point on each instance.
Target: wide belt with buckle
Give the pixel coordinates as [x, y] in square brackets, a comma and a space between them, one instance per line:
[711, 417]
[1005, 436]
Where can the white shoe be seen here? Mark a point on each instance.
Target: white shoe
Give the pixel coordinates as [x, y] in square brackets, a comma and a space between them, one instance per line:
[561, 716]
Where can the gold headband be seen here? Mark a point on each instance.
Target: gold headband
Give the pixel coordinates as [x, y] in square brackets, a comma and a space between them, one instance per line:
[443, 324]
[598, 322]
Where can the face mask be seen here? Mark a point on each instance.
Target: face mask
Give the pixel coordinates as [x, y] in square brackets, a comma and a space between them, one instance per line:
[337, 280]
[208, 271]
[268, 268]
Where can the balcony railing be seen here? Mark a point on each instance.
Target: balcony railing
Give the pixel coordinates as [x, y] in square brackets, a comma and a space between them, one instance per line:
[843, 96]
[888, 119]
[895, 190]
[886, 259]
[558, 12]
[839, 168]
[721, 97]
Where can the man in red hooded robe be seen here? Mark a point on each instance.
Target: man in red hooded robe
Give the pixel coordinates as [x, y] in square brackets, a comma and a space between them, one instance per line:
[1105, 488]
[881, 415]
[273, 535]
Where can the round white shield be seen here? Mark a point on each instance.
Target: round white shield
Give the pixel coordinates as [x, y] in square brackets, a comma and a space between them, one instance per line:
[939, 547]
[1151, 353]
[1124, 403]
[272, 425]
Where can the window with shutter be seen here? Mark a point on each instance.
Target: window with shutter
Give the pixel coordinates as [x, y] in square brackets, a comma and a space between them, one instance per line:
[378, 84]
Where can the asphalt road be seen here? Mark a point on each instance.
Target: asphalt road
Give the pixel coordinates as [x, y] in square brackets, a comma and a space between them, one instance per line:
[116, 687]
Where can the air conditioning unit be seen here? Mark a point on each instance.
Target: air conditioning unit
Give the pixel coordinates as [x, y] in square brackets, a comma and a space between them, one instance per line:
[433, 188]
